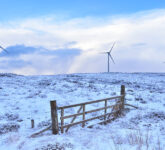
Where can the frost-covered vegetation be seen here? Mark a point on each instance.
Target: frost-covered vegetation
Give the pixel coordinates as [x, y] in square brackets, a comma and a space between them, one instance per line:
[23, 98]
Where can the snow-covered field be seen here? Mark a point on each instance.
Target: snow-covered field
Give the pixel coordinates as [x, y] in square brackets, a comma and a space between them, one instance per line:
[23, 98]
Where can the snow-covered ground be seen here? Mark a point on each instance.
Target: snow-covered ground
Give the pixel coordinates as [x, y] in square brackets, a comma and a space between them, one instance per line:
[23, 98]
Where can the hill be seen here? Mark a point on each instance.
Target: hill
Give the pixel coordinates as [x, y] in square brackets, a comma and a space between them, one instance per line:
[23, 98]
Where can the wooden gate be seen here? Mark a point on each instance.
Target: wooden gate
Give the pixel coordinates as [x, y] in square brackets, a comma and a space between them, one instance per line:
[106, 116]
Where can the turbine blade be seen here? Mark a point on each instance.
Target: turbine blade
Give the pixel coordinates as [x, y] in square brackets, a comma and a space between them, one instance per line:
[3, 49]
[111, 58]
[112, 47]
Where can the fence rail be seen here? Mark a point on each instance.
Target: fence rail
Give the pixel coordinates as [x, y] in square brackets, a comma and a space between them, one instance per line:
[91, 102]
[87, 112]
[116, 109]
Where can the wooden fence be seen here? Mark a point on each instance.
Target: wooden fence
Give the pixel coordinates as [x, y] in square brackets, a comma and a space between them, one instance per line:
[115, 111]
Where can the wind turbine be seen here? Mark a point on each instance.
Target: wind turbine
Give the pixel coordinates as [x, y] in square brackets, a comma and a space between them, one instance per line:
[3, 49]
[109, 56]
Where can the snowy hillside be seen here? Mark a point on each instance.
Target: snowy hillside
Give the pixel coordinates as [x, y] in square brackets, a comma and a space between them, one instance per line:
[23, 98]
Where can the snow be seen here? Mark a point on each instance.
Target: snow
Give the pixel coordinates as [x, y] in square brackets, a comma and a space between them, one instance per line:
[23, 98]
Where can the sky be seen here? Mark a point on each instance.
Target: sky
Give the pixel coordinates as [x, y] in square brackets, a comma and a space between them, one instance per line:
[56, 37]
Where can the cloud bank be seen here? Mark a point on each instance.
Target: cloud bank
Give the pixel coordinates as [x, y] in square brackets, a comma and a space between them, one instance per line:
[50, 46]
[37, 60]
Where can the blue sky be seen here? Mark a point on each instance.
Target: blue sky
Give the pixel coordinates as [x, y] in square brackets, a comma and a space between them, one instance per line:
[17, 9]
[67, 36]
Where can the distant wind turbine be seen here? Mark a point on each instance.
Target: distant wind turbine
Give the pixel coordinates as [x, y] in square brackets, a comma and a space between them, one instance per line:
[3, 49]
[109, 56]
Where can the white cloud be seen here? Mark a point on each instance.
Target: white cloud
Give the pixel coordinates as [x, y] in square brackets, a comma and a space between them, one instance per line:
[140, 41]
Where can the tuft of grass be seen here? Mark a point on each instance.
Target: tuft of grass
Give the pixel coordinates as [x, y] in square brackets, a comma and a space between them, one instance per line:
[56, 146]
[136, 140]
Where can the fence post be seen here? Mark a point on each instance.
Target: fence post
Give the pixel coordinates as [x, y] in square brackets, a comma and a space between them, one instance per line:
[54, 117]
[62, 120]
[105, 110]
[83, 124]
[122, 92]
[32, 123]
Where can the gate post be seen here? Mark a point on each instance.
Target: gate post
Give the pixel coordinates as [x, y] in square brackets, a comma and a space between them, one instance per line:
[54, 117]
[122, 92]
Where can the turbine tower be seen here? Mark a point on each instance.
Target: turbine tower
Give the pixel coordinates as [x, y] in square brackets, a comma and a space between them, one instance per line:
[109, 57]
[3, 49]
